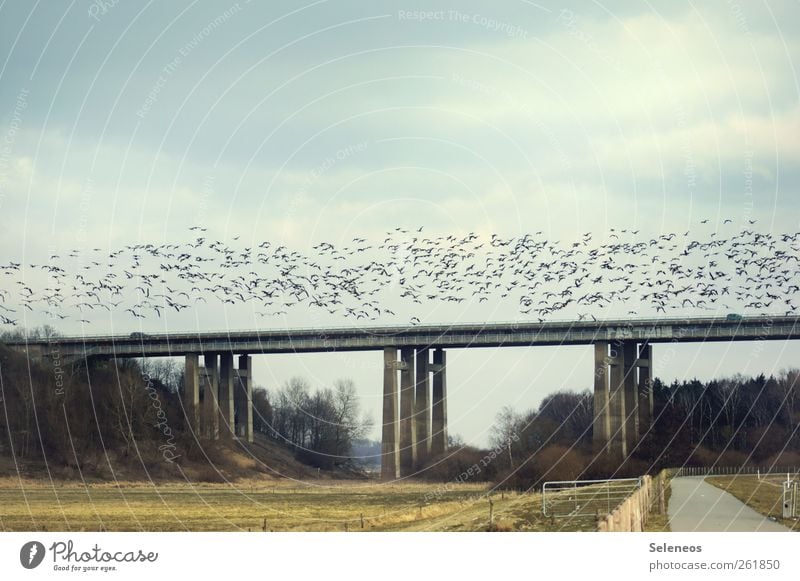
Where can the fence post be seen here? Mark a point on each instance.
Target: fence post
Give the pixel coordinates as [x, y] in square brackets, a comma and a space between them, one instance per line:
[644, 506]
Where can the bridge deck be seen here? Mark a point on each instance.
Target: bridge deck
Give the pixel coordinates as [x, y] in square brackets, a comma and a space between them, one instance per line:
[446, 336]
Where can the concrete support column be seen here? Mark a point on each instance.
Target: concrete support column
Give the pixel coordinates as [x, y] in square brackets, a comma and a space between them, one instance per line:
[439, 403]
[644, 364]
[422, 407]
[191, 393]
[617, 442]
[211, 397]
[601, 427]
[631, 395]
[408, 428]
[227, 410]
[246, 387]
[239, 402]
[390, 437]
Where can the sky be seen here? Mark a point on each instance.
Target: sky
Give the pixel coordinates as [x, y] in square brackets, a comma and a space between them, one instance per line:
[128, 122]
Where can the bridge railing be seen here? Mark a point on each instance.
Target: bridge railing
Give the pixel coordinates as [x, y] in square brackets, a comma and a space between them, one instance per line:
[428, 327]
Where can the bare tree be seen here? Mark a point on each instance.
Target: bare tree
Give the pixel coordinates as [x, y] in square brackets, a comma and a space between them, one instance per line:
[505, 431]
[323, 424]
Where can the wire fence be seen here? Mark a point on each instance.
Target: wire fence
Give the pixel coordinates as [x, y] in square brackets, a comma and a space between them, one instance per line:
[736, 470]
[572, 498]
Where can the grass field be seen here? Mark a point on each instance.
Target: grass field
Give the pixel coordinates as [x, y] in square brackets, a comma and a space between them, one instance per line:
[761, 494]
[283, 506]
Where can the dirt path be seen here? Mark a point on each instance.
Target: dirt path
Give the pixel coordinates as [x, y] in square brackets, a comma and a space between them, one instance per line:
[698, 506]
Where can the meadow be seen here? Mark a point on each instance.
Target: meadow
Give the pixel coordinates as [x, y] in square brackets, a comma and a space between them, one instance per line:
[40, 505]
[763, 494]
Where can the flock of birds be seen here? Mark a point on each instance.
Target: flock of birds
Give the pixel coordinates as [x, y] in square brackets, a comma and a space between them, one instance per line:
[744, 271]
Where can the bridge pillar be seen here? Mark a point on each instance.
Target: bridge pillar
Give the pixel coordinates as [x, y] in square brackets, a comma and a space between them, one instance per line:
[191, 393]
[408, 427]
[245, 408]
[601, 428]
[644, 363]
[628, 400]
[422, 407]
[226, 393]
[239, 402]
[211, 397]
[617, 441]
[390, 437]
[439, 407]
[631, 395]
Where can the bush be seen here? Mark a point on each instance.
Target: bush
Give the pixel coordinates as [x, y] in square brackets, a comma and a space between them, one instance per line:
[458, 464]
[559, 463]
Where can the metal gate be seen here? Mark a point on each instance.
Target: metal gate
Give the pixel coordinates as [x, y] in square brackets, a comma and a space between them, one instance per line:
[569, 498]
[791, 499]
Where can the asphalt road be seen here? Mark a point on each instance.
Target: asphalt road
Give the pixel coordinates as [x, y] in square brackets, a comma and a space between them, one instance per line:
[698, 506]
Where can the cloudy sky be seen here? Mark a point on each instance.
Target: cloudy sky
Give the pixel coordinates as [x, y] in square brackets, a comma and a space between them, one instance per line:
[125, 121]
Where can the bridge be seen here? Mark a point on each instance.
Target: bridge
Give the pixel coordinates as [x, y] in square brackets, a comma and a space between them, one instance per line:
[217, 397]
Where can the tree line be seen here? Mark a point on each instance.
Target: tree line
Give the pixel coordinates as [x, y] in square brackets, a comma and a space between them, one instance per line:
[733, 421]
[742, 419]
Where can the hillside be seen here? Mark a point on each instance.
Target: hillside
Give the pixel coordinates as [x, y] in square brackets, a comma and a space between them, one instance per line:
[99, 423]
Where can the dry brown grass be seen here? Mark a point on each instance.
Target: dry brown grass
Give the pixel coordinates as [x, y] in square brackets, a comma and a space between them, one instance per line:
[277, 505]
[764, 495]
[512, 511]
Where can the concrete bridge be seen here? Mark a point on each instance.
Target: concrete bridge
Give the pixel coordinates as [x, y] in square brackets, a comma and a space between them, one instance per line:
[218, 398]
